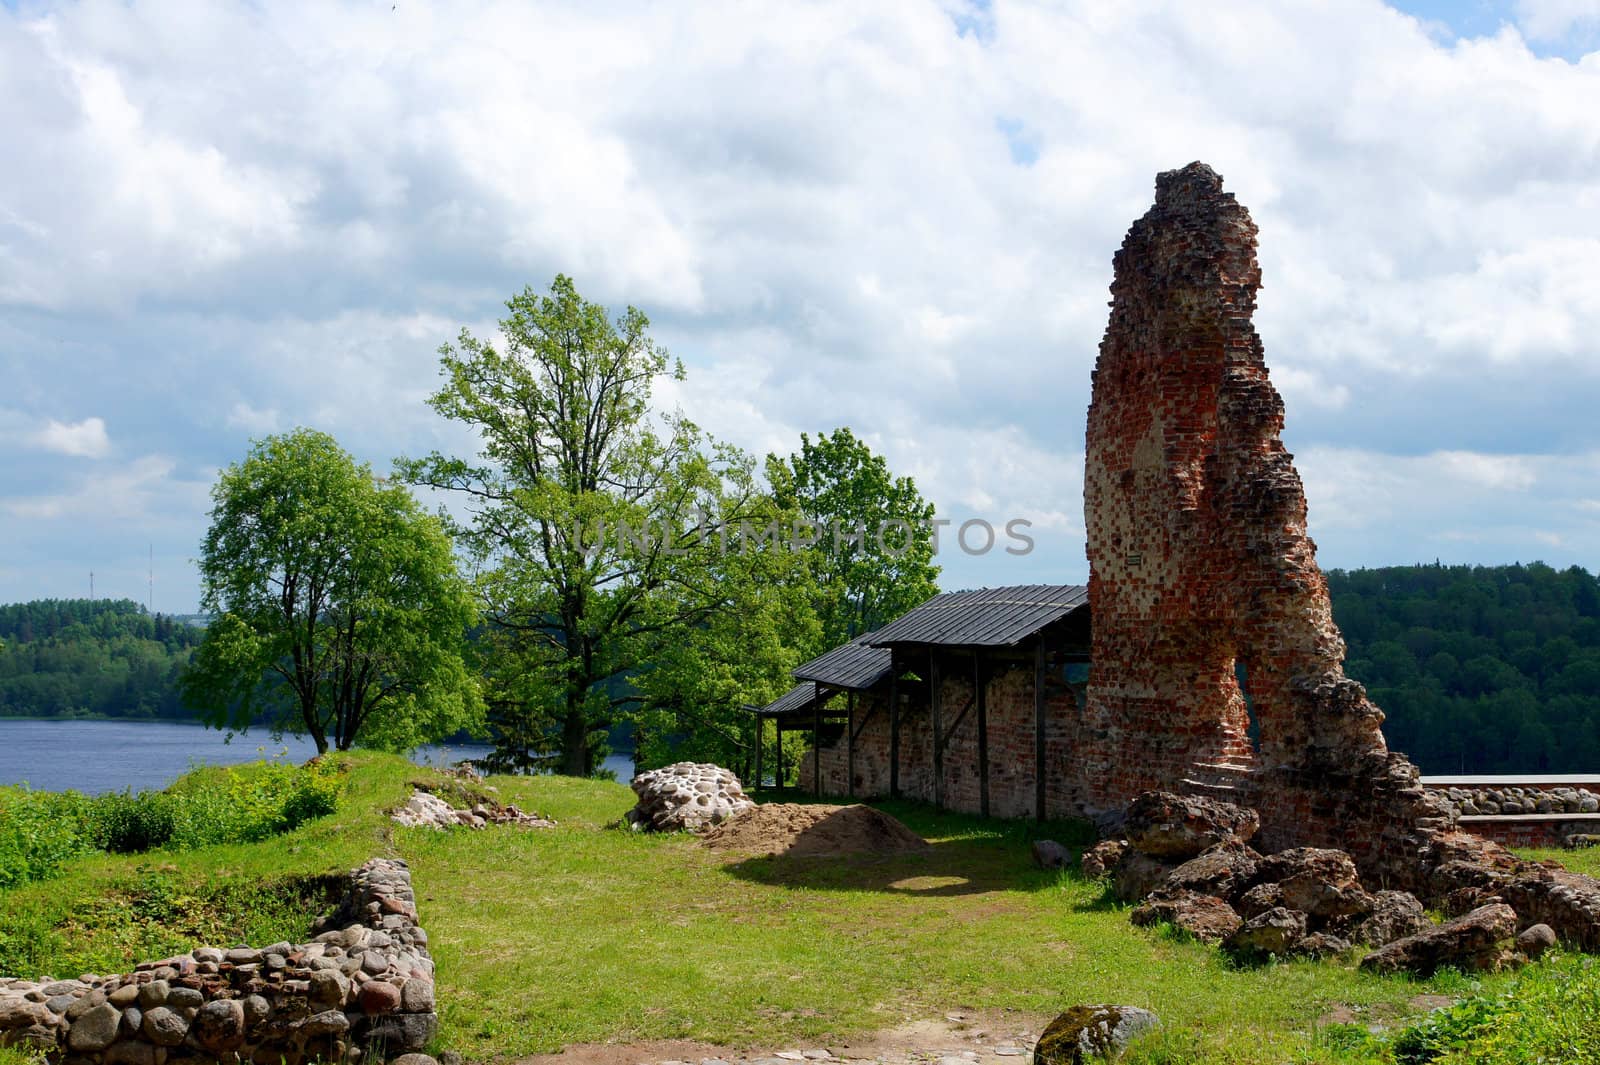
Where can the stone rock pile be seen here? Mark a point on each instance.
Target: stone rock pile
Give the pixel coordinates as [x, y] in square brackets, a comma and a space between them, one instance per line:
[364, 981]
[1188, 862]
[686, 795]
[426, 810]
[1516, 800]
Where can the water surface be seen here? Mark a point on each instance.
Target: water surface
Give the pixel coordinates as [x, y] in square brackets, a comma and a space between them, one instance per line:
[99, 756]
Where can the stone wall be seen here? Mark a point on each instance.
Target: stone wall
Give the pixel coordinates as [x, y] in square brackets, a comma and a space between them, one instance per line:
[362, 986]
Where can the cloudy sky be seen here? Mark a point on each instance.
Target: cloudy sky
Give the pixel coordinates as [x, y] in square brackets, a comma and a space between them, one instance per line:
[218, 221]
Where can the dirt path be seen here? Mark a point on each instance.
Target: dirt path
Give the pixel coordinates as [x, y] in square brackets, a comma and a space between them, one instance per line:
[966, 1037]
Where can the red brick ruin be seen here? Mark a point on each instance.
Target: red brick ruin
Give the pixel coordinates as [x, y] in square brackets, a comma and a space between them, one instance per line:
[1201, 572]
[1215, 666]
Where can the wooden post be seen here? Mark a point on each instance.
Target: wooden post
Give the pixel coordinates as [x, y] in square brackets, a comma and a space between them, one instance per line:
[816, 743]
[1039, 796]
[981, 693]
[935, 712]
[850, 744]
[761, 735]
[777, 770]
[894, 730]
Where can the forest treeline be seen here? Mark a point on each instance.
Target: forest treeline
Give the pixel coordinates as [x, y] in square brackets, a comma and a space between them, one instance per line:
[1480, 669]
[91, 658]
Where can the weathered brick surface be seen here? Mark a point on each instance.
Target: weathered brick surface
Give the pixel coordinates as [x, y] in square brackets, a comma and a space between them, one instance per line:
[1200, 566]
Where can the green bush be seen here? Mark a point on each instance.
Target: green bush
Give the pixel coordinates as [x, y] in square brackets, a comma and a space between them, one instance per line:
[132, 822]
[1550, 1016]
[40, 830]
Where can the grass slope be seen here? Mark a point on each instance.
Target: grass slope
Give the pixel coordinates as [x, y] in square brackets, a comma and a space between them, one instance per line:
[587, 934]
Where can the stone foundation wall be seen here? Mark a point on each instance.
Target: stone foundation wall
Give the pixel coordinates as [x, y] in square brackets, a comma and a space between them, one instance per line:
[361, 988]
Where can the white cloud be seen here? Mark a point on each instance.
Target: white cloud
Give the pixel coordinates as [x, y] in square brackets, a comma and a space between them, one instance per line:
[1550, 20]
[238, 218]
[135, 491]
[85, 439]
[252, 420]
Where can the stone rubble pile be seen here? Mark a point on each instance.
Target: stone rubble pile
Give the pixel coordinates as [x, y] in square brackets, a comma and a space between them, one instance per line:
[1517, 800]
[1188, 863]
[426, 810]
[364, 981]
[686, 795]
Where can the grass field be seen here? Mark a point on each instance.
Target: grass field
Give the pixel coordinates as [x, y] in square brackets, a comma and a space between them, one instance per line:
[586, 933]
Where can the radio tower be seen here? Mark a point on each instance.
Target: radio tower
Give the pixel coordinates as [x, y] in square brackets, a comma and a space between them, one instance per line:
[91, 586]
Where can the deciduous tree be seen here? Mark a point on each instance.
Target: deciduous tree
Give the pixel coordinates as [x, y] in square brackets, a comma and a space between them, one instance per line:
[340, 610]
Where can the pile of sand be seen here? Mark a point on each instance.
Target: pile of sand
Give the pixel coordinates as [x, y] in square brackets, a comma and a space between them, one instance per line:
[814, 831]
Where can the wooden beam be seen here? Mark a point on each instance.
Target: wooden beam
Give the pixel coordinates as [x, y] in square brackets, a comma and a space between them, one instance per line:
[894, 730]
[761, 736]
[777, 771]
[850, 744]
[816, 745]
[935, 712]
[981, 693]
[1039, 794]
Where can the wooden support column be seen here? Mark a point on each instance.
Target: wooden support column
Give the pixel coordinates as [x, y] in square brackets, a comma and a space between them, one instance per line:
[894, 731]
[761, 736]
[1039, 794]
[850, 744]
[935, 712]
[816, 745]
[777, 772]
[980, 685]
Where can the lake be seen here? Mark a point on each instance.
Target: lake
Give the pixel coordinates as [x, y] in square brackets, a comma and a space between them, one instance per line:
[100, 756]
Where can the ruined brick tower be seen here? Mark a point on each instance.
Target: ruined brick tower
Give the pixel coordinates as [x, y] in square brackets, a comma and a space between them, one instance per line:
[1201, 572]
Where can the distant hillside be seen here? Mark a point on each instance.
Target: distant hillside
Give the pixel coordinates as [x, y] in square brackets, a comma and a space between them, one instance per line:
[1480, 669]
[91, 658]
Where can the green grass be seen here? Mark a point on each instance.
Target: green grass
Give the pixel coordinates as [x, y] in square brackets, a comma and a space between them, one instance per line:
[586, 933]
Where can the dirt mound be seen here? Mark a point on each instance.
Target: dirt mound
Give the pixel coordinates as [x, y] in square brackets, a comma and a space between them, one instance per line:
[814, 831]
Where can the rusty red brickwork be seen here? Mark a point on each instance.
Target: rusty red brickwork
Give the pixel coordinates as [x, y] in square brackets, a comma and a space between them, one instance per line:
[1201, 570]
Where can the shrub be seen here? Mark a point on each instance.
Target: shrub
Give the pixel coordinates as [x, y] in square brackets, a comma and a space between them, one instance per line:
[130, 822]
[39, 831]
[1550, 1016]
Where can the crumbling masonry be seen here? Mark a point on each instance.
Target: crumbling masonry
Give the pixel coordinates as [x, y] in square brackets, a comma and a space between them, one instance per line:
[1201, 572]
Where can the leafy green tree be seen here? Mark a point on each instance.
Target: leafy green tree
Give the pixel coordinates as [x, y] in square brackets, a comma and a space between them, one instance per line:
[695, 693]
[596, 529]
[341, 613]
[872, 558]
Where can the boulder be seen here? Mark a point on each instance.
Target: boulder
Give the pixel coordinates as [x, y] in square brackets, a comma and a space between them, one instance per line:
[1179, 827]
[1258, 899]
[95, 1028]
[1477, 941]
[1206, 917]
[1138, 874]
[1101, 859]
[1275, 933]
[1316, 880]
[1322, 945]
[1535, 940]
[1224, 871]
[686, 795]
[1394, 915]
[1048, 854]
[219, 1026]
[1086, 1032]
